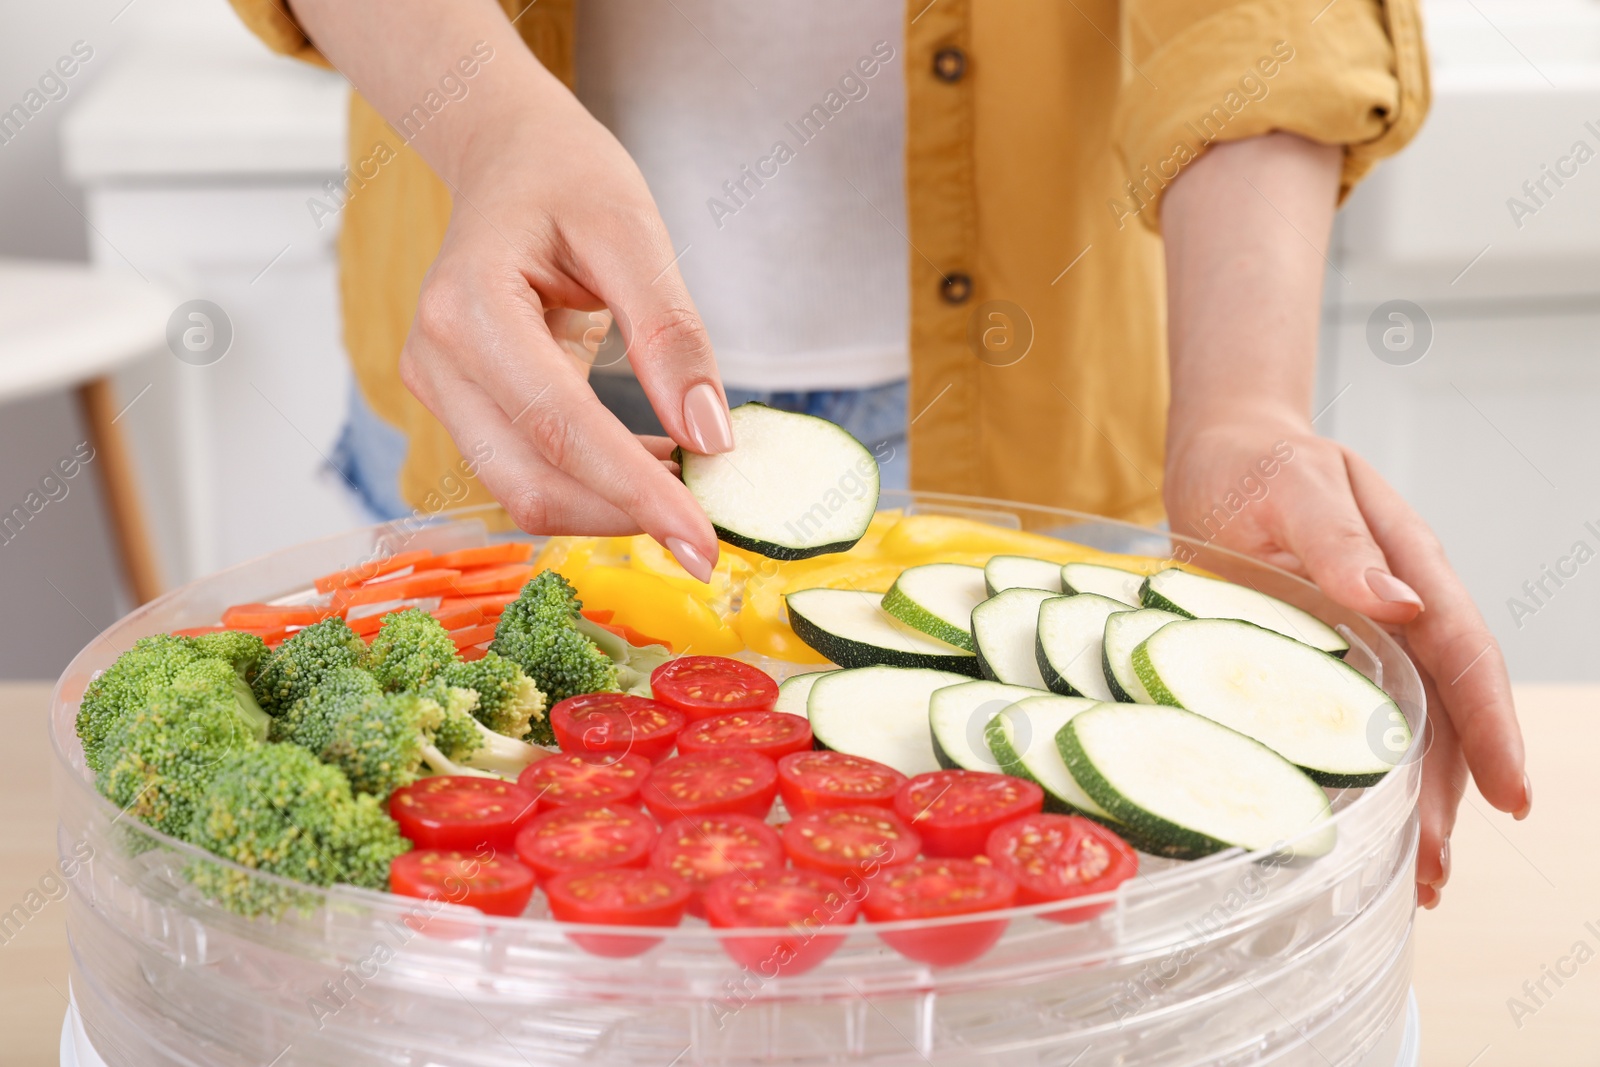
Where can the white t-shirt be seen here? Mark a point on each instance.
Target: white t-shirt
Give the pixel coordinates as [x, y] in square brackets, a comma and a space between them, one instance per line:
[772, 136]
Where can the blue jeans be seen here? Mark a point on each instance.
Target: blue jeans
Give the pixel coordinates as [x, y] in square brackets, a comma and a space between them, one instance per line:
[369, 452]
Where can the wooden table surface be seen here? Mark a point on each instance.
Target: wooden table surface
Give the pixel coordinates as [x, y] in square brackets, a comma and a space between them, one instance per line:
[1522, 906]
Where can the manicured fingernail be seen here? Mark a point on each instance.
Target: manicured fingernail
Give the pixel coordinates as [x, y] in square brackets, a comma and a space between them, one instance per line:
[1391, 589]
[706, 417]
[1444, 865]
[1527, 800]
[689, 558]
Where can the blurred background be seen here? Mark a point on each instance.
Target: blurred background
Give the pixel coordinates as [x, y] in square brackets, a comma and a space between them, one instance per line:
[177, 192]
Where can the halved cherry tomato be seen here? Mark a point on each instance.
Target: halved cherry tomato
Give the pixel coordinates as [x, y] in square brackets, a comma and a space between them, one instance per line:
[702, 849]
[586, 837]
[616, 898]
[405, 587]
[462, 812]
[267, 616]
[561, 780]
[484, 555]
[495, 885]
[1057, 857]
[369, 569]
[858, 841]
[501, 579]
[711, 783]
[601, 724]
[932, 889]
[809, 781]
[774, 734]
[702, 686]
[473, 635]
[804, 901]
[956, 811]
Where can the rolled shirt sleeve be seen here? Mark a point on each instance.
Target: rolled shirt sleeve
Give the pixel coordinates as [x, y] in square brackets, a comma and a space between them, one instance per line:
[272, 21]
[1346, 72]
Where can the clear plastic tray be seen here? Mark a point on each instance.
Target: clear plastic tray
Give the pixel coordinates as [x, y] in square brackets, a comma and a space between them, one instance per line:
[1228, 960]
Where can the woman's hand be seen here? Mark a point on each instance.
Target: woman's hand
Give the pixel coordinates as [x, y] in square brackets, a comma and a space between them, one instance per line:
[1326, 515]
[550, 218]
[1246, 228]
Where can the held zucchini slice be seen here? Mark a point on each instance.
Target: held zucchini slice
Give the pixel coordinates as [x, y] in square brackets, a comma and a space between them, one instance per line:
[1126, 631]
[1004, 628]
[794, 690]
[1113, 582]
[1021, 572]
[1187, 786]
[1188, 594]
[793, 486]
[851, 628]
[958, 717]
[938, 598]
[1023, 740]
[1314, 710]
[880, 713]
[1067, 650]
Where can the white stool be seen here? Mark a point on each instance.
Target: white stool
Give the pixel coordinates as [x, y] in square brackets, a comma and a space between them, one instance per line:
[67, 325]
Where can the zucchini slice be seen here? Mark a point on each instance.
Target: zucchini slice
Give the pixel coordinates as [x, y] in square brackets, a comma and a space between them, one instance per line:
[851, 628]
[1113, 582]
[1188, 594]
[958, 717]
[1187, 786]
[793, 486]
[1125, 631]
[1004, 628]
[1021, 572]
[1314, 710]
[1067, 650]
[880, 713]
[1022, 738]
[938, 598]
[793, 691]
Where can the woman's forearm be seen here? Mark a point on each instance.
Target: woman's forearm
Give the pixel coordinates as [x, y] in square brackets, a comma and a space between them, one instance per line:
[1246, 229]
[451, 76]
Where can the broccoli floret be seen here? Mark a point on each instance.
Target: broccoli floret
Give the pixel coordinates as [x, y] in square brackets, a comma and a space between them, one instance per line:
[539, 632]
[468, 745]
[127, 685]
[245, 651]
[292, 672]
[276, 808]
[377, 739]
[160, 760]
[509, 702]
[411, 647]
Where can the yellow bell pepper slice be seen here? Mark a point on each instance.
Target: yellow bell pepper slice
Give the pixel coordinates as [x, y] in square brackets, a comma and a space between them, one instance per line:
[656, 608]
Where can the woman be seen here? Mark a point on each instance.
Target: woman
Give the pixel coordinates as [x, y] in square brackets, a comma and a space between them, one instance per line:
[947, 221]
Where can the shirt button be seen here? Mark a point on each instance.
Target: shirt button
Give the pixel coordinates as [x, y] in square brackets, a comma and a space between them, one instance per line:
[956, 288]
[949, 64]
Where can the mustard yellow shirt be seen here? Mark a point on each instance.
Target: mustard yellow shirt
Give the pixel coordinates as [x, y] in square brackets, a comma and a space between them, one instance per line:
[1040, 135]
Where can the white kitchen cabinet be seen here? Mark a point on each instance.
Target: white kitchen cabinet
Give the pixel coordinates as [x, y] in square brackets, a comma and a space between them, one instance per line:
[198, 158]
[1487, 434]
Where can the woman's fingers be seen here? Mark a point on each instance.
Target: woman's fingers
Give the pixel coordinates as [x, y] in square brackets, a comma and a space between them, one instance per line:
[539, 498]
[579, 333]
[548, 402]
[1452, 643]
[1325, 528]
[637, 275]
[1444, 781]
